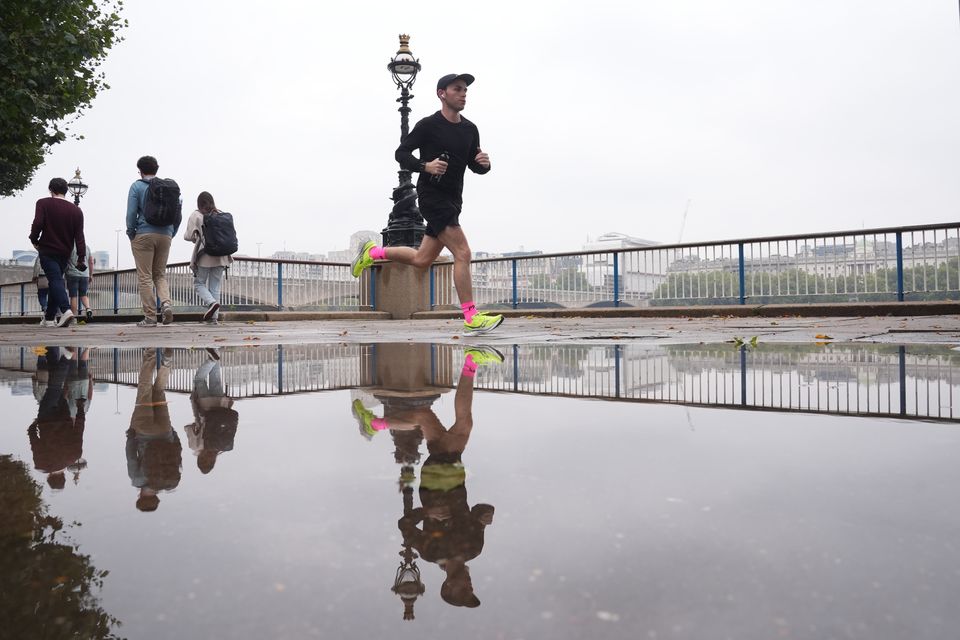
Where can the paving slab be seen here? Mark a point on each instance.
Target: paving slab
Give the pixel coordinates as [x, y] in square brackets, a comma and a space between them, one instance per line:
[930, 329]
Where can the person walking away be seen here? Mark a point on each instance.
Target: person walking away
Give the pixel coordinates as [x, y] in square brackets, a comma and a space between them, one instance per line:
[153, 218]
[77, 285]
[43, 287]
[448, 144]
[208, 268]
[57, 226]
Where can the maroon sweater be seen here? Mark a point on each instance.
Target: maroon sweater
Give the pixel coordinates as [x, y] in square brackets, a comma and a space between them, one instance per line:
[57, 225]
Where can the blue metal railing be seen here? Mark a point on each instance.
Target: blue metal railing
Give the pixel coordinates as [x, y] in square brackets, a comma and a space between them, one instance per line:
[251, 284]
[867, 265]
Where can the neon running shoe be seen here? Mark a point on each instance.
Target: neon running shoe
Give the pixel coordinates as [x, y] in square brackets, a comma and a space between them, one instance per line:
[365, 419]
[484, 354]
[482, 323]
[363, 259]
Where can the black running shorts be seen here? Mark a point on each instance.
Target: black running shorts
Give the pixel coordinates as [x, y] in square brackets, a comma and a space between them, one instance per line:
[439, 212]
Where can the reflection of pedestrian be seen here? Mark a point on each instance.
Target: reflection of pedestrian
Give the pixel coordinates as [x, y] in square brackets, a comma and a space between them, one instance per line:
[56, 436]
[215, 421]
[153, 448]
[57, 226]
[445, 529]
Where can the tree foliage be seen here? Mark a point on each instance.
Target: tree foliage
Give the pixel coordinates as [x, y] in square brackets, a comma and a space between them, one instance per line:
[50, 53]
[922, 282]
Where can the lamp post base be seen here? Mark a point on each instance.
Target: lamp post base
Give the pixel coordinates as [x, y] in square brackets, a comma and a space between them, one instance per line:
[405, 226]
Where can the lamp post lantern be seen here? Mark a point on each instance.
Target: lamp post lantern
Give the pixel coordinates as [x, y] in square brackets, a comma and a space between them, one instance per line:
[77, 187]
[405, 225]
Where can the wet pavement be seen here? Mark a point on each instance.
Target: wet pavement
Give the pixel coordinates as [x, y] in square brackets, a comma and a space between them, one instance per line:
[514, 330]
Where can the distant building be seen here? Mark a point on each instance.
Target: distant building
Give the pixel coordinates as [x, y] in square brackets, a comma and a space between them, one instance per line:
[638, 272]
[101, 261]
[24, 257]
[357, 240]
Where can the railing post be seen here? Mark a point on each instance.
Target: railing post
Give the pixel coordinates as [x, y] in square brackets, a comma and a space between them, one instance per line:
[902, 356]
[116, 293]
[1, 300]
[900, 266]
[23, 299]
[616, 365]
[280, 369]
[373, 288]
[279, 286]
[741, 274]
[616, 279]
[513, 297]
[516, 368]
[433, 276]
[743, 375]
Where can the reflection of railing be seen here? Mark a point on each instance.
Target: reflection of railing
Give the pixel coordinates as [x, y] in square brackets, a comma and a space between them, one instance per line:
[921, 382]
[251, 283]
[889, 264]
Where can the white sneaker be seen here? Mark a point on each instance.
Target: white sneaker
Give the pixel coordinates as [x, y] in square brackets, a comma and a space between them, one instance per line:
[48, 323]
[65, 319]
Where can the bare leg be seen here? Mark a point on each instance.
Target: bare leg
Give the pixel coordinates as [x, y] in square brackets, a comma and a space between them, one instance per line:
[421, 258]
[73, 304]
[454, 240]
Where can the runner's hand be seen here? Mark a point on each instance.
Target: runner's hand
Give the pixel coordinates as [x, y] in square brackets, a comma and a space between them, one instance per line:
[482, 159]
[436, 167]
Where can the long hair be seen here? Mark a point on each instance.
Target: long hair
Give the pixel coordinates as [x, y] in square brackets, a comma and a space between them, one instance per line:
[205, 203]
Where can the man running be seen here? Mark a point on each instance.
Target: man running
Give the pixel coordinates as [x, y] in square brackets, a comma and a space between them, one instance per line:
[448, 144]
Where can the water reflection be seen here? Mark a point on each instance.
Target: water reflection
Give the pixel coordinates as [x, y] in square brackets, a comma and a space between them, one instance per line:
[764, 512]
[50, 589]
[444, 529]
[63, 387]
[856, 379]
[214, 425]
[153, 448]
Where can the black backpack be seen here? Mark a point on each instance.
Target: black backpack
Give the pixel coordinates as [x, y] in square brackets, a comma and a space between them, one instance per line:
[162, 207]
[219, 234]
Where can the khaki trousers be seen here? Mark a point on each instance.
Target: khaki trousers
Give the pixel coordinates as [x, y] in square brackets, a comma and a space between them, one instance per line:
[150, 252]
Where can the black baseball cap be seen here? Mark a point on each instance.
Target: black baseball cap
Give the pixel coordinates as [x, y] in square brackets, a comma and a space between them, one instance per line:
[450, 77]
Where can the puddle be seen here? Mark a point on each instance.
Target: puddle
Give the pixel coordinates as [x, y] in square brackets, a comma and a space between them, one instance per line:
[358, 491]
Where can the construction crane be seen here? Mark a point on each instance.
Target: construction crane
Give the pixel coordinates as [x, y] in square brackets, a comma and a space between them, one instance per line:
[683, 221]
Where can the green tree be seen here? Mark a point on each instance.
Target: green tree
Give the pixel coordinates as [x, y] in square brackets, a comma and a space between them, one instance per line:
[50, 52]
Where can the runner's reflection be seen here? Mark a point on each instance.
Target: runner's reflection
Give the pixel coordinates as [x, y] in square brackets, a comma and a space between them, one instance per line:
[444, 530]
[153, 448]
[56, 436]
[215, 421]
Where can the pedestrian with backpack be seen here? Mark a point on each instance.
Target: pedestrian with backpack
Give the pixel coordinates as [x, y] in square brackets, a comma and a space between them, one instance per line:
[214, 239]
[153, 217]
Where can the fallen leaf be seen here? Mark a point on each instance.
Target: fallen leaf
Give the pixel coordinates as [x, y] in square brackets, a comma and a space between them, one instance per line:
[343, 333]
[456, 337]
[219, 339]
[822, 336]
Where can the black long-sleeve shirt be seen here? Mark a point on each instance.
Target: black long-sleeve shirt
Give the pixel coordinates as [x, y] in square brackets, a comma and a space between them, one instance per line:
[432, 136]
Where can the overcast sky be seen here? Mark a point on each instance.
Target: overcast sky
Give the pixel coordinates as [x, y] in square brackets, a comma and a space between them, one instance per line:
[770, 117]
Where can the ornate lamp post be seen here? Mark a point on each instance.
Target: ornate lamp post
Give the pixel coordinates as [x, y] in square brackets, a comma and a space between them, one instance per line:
[77, 187]
[405, 225]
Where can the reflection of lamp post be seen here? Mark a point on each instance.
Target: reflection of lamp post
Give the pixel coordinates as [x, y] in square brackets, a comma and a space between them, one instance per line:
[405, 225]
[76, 187]
[407, 584]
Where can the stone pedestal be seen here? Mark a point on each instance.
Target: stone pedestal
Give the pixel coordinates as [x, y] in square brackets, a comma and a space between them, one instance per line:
[402, 290]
